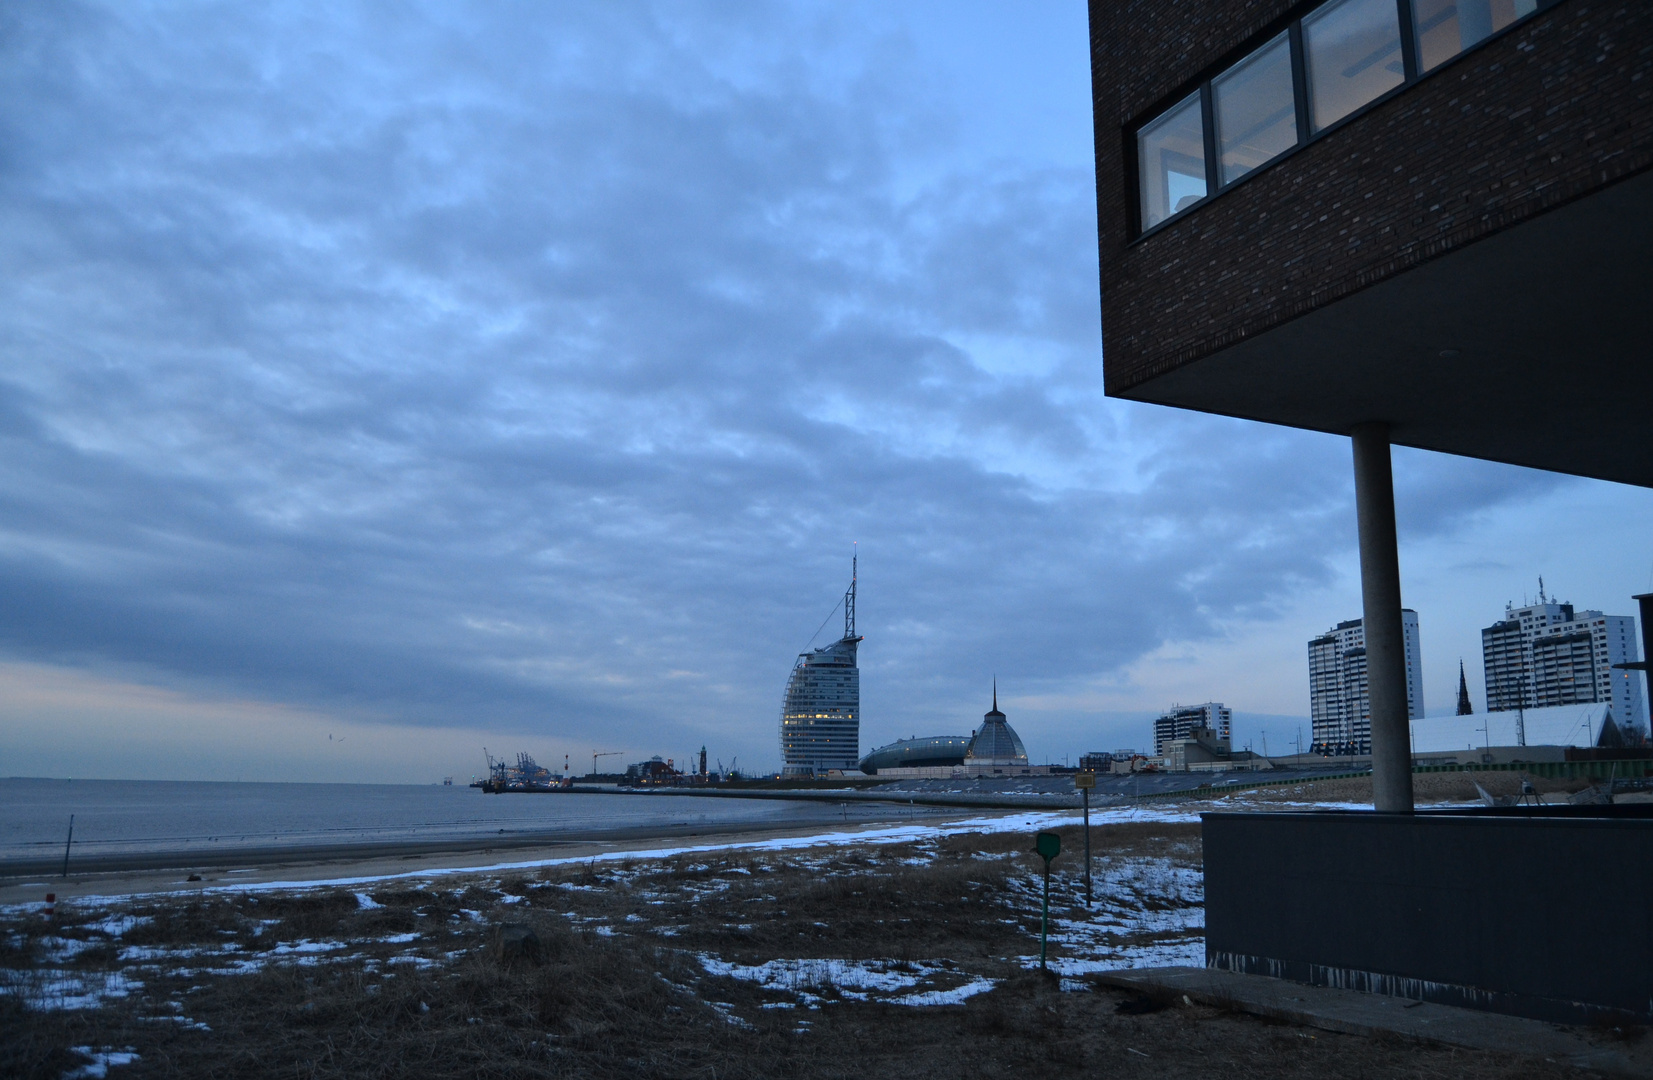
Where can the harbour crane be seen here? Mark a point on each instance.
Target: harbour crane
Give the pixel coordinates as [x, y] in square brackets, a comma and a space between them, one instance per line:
[595, 754]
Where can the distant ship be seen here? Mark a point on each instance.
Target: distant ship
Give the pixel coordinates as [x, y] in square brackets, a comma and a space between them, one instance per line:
[821, 716]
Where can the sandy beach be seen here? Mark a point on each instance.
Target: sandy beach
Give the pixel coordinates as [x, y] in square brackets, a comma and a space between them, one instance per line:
[171, 872]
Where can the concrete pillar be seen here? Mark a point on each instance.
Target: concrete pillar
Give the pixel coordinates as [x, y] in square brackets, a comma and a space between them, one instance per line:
[1385, 637]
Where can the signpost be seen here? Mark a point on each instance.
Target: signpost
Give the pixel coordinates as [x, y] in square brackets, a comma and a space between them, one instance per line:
[1048, 845]
[1084, 781]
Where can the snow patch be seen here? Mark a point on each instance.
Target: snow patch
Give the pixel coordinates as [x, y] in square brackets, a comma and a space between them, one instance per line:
[101, 1062]
[811, 981]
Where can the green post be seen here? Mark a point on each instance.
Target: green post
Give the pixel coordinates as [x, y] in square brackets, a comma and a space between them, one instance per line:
[1048, 845]
[1084, 781]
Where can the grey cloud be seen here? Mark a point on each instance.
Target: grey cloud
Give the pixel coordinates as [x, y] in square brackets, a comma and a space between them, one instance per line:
[488, 366]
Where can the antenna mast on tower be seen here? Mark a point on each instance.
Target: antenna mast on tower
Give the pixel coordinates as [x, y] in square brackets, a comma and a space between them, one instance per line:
[849, 596]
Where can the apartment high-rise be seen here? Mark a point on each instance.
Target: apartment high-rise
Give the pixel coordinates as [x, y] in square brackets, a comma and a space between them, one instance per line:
[1548, 653]
[1179, 720]
[1340, 708]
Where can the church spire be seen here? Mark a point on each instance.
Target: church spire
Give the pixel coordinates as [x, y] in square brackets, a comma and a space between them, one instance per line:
[1464, 707]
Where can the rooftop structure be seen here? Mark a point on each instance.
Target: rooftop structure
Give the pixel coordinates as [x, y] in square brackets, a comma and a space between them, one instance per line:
[995, 742]
[1560, 725]
[821, 715]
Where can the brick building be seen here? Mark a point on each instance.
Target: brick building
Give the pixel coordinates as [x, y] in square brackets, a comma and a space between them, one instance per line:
[1411, 212]
[1425, 222]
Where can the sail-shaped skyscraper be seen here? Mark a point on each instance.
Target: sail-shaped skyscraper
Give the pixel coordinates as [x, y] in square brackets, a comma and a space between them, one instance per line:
[821, 717]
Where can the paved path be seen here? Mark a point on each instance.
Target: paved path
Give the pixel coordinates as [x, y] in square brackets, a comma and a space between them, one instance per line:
[1355, 1013]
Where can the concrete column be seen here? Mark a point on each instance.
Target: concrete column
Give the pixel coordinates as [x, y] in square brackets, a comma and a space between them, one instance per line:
[1385, 637]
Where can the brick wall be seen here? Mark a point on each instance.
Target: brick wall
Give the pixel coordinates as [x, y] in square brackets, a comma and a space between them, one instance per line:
[1555, 109]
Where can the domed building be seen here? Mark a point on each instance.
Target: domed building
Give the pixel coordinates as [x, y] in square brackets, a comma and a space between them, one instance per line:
[995, 744]
[994, 749]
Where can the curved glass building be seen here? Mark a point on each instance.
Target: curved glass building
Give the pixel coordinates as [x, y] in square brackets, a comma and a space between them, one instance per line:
[933, 752]
[821, 717]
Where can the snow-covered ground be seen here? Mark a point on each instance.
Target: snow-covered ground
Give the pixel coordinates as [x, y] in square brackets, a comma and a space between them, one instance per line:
[1149, 911]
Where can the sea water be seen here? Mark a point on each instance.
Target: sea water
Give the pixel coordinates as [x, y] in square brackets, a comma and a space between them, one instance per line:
[144, 816]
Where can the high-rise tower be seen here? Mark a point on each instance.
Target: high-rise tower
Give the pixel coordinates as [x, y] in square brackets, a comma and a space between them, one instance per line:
[1340, 707]
[1550, 654]
[821, 716]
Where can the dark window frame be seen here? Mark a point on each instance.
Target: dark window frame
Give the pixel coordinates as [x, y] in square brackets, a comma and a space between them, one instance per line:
[1306, 136]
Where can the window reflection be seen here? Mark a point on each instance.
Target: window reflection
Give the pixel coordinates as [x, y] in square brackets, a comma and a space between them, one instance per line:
[1256, 114]
[1448, 27]
[1351, 55]
[1171, 155]
[1352, 50]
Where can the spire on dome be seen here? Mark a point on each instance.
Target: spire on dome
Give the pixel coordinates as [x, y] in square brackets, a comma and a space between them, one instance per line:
[995, 742]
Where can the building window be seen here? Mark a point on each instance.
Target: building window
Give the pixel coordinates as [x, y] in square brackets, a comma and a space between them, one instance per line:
[1171, 155]
[1324, 68]
[1446, 28]
[1352, 53]
[1256, 111]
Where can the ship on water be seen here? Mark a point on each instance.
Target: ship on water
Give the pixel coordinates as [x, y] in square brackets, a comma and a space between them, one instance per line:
[821, 716]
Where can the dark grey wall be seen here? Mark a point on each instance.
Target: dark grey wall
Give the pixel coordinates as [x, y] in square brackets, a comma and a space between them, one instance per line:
[1556, 109]
[1546, 916]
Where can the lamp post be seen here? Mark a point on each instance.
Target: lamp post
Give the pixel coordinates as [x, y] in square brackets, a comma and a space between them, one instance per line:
[1085, 781]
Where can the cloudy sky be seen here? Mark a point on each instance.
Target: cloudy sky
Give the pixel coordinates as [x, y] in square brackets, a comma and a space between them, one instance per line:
[379, 382]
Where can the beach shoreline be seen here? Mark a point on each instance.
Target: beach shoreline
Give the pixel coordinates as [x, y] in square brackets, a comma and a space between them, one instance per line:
[160, 872]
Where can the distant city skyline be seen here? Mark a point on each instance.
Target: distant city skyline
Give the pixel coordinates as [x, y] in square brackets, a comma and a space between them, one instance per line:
[526, 395]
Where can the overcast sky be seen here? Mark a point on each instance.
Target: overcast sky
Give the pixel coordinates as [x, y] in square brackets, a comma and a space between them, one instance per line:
[379, 382]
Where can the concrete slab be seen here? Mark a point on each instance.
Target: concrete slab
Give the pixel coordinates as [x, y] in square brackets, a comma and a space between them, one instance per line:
[1355, 1013]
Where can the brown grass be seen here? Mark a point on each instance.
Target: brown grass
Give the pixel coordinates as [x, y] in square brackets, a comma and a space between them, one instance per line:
[637, 1003]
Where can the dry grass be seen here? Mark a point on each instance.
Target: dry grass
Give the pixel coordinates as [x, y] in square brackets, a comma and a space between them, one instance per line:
[619, 989]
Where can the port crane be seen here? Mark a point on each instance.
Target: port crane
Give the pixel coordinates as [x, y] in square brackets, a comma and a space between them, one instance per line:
[595, 754]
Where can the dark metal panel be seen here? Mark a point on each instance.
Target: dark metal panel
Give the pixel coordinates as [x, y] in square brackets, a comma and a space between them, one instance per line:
[1543, 916]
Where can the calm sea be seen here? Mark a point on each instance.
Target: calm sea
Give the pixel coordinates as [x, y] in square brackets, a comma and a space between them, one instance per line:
[134, 816]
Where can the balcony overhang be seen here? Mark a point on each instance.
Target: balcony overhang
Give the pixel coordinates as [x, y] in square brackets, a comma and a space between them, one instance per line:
[1533, 346]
